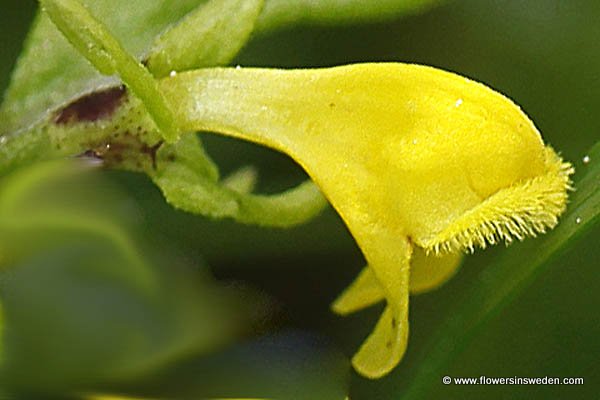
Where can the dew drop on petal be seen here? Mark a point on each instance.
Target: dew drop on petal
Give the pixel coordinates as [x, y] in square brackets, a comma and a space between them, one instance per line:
[173, 74]
[238, 67]
[458, 103]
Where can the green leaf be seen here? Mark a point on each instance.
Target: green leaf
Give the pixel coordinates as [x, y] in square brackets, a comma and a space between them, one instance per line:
[503, 280]
[111, 309]
[210, 35]
[285, 13]
[51, 73]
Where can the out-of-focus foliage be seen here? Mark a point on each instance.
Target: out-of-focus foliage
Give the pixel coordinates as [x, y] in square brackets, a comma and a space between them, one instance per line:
[287, 366]
[211, 35]
[284, 13]
[88, 301]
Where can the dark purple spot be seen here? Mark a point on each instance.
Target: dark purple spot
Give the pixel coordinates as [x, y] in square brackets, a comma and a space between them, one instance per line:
[92, 107]
[151, 151]
[90, 154]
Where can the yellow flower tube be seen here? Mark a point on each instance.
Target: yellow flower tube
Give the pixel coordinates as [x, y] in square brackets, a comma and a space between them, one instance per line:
[416, 160]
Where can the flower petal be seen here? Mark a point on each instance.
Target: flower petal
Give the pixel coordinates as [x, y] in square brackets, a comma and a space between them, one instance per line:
[428, 272]
[410, 146]
[386, 345]
[384, 348]
[407, 155]
[363, 292]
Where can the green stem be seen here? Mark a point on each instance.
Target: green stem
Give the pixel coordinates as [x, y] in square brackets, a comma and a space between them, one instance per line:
[186, 185]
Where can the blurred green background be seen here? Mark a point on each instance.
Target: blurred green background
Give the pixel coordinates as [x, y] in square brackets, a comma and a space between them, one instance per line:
[545, 55]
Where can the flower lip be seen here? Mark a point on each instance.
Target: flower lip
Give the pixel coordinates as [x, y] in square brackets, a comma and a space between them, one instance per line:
[526, 208]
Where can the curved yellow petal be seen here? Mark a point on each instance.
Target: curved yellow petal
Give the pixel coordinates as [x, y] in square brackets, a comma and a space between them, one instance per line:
[362, 293]
[406, 154]
[384, 348]
[389, 258]
[523, 209]
[428, 272]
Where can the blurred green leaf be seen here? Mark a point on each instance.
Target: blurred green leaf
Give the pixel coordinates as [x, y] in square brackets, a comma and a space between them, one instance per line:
[287, 366]
[285, 13]
[57, 197]
[210, 35]
[85, 302]
[504, 279]
[14, 23]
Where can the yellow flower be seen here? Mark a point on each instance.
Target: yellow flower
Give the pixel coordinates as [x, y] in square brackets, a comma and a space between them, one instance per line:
[420, 163]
